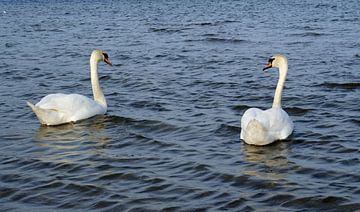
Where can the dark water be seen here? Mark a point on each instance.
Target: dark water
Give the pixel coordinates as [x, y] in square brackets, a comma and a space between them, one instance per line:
[184, 73]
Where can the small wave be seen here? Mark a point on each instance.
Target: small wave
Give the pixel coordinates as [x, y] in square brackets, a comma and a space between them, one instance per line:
[209, 23]
[297, 110]
[218, 40]
[241, 107]
[165, 30]
[144, 128]
[350, 162]
[83, 188]
[321, 5]
[3, 66]
[299, 43]
[228, 129]
[204, 24]
[355, 121]
[318, 203]
[279, 199]
[235, 204]
[155, 188]
[346, 85]
[161, 55]
[149, 105]
[224, 40]
[119, 119]
[51, 185]
[105, 77]
[9, 45]
[120, 176]
[6, 192]
[339, 148]
[55, 30]
[309, 28]
[104, 204]
[310, 34]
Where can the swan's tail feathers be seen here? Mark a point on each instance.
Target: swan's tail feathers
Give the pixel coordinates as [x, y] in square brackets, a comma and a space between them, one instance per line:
[30, 105]
[255, 133]
[40, 113]
[46, 116]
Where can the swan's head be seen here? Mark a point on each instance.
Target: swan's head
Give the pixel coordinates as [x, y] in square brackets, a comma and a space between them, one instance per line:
[276, 61]
[100, 55]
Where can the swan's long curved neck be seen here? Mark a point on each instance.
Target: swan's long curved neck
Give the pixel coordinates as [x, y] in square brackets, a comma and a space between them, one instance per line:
[280, 85]
[97, 92]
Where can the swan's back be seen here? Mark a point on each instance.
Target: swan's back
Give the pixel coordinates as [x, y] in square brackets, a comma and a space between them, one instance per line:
[259, 127]
[255, 126]
[62, 108]
[254, 113]
[280, 123]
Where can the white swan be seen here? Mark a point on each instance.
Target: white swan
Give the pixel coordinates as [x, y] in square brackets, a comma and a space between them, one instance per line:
[262, 127]
[55, 109]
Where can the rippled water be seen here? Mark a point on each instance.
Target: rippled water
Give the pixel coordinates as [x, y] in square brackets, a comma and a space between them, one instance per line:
[184, 72]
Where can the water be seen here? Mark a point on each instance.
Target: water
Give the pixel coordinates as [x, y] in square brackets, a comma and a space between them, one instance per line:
[184, 72]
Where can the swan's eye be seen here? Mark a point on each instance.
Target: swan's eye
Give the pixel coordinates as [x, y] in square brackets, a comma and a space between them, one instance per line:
[106, 56]
[271, 60]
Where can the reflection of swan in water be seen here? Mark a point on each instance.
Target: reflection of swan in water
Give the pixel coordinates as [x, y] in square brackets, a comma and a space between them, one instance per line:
[69, 146]
[273, 157]
[88, 130]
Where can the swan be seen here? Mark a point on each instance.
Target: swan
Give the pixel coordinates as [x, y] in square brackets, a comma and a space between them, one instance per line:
[262, 127]
[55, 109]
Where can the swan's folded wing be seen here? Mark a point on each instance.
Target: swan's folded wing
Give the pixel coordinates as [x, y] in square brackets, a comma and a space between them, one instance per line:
[84, 108]
[254, 113]
[76, 106]
[281, 124]
[54, 102]
[48, 116]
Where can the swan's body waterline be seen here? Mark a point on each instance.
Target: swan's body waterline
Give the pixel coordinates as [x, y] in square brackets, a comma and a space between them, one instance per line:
[262, 127]
[55, 109]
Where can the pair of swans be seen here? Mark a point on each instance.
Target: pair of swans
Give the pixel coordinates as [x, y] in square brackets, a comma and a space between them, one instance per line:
[258, 127]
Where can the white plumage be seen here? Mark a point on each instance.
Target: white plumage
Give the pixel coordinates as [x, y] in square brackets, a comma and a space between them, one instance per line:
[55, 109]
[262, 127]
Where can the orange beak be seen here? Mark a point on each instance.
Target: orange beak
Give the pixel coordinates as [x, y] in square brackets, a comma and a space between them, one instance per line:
[267, 66]
[107, 61]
